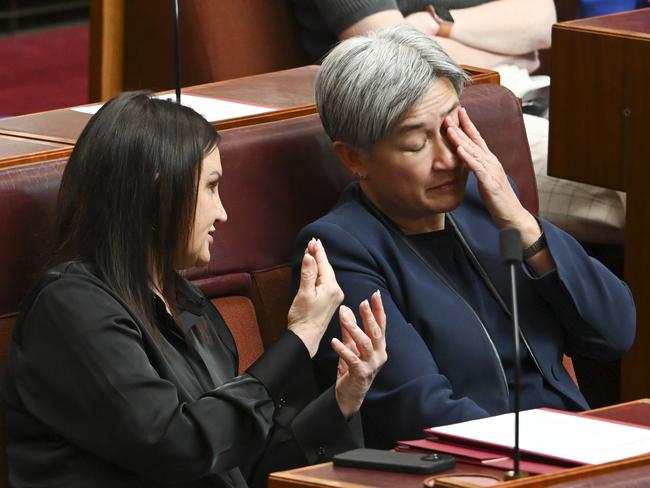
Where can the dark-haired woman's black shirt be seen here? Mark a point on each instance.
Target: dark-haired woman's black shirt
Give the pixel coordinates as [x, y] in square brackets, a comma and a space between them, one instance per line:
[93, 400]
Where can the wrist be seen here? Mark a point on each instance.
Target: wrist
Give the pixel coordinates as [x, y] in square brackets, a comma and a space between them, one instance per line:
[309, 338]
[530, 230]
[346, 406]
[442, 18]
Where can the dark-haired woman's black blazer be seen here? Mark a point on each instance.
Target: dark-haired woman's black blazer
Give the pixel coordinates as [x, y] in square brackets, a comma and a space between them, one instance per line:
[93, 399]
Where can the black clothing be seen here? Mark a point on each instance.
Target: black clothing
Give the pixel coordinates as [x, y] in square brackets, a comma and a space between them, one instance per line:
[444, 252]
[322, 21]
[93, 399]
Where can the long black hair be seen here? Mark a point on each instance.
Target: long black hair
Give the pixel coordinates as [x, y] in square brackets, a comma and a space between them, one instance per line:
[128, 196]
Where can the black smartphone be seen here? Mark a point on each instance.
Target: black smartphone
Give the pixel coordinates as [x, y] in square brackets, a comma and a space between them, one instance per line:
[403, 462]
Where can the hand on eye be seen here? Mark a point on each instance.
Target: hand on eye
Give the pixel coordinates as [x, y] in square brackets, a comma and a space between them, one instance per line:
[361, 354]
[496, 192]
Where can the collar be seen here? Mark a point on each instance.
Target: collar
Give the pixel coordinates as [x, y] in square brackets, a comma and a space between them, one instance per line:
[191, 305]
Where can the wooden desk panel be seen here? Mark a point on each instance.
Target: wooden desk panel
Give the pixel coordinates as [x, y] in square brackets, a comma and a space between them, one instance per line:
[632, 469]
[290, 91]
[61, 126]
[15, 149]
[600, 134]
[288, 88]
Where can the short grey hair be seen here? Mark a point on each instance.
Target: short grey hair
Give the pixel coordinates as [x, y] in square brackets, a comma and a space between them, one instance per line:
[367, 83]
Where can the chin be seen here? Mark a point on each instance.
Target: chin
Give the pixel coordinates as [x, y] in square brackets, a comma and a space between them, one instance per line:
[202, 261]
[448, 204]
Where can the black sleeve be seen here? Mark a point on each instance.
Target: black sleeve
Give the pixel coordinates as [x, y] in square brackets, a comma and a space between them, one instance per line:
[83, 370]
[341, 14]
[306, 429]
[338, 15]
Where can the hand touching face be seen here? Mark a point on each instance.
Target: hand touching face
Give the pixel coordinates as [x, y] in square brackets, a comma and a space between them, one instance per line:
[414, 175]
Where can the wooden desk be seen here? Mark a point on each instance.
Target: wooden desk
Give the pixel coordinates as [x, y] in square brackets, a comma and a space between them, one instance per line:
[327, 475]
[14, 150]
[290, 91]
[600, 134]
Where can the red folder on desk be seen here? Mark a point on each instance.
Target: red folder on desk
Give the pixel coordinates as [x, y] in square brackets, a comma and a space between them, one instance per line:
[553, 436]
[485, 457]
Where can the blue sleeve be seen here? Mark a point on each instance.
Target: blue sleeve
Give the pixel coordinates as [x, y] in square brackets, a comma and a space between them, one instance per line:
[594, 307]
[410, 393]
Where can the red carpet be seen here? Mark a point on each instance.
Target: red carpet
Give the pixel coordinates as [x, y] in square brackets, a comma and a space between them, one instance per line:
[44, 70]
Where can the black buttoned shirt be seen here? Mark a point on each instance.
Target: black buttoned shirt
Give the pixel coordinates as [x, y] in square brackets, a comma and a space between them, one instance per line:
[94, 399]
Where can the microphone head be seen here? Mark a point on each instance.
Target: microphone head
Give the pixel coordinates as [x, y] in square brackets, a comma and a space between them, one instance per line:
[510, 244]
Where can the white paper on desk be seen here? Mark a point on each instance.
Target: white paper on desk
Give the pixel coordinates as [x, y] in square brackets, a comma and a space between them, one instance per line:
[555, 434]
[213, 109]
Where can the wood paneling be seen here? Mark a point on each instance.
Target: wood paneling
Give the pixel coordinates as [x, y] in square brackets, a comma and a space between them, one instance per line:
[600, 134]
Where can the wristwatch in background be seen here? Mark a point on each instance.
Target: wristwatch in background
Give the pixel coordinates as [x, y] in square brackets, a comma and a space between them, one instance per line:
[443, 18]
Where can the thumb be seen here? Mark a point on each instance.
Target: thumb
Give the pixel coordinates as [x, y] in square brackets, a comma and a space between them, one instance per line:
[308, 274]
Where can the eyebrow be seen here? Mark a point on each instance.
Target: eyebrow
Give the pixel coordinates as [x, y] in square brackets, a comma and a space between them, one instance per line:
[420, 125]
[219, 175]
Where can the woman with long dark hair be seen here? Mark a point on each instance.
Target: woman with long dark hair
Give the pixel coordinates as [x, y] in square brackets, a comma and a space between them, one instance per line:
[122, 373]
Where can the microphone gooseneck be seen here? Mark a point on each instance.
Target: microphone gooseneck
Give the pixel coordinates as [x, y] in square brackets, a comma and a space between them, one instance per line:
[512, 254]
[177, 51]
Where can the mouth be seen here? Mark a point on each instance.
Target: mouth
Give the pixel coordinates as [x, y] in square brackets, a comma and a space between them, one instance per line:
[444, 186]
[210, 232]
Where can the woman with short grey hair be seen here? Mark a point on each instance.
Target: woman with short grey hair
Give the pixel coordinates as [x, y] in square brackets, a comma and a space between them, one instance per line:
[421, 226]
[360, 100]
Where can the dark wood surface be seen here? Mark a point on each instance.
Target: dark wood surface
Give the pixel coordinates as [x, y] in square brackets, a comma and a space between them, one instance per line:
[290, 92]
[600, 134]
[327, 475]
[634, 23]
[16, 149]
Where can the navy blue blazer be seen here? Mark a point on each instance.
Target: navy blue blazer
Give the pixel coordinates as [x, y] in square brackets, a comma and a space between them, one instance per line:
[442, 364]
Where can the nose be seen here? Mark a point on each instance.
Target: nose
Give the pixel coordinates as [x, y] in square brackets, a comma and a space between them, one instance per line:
[220, 215]
[444, 157]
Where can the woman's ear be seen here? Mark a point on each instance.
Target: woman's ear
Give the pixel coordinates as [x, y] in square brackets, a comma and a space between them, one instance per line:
[352, 157]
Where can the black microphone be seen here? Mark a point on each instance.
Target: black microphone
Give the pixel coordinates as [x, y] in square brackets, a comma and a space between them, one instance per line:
[177, 45]
[511, 255]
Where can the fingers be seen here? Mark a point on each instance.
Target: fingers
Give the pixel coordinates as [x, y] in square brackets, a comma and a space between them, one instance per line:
[363, 343]
[470, 129]
[345, 335]
[325, 271]
[461, 139]
[467, 136]
[378, 311]
[342, 367]
[348, 358]
[372, 318]
[308, 274]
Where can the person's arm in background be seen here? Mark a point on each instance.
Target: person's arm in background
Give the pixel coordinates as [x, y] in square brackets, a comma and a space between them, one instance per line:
[505, 26]
[484, 35]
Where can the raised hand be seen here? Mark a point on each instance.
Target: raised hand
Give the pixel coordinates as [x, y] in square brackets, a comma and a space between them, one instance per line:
[496, 192]
[361, 354]
[317, 298]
